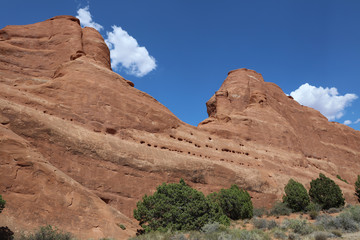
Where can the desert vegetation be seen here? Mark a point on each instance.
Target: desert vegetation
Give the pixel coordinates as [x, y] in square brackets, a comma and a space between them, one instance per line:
[47, 233]
[326, 192]
[296, 226]
[234, 202]
[5, 232]
[2, 203]
[177, 206]
[177, 211]
[320, 214]
[296, 196]
[357, 188]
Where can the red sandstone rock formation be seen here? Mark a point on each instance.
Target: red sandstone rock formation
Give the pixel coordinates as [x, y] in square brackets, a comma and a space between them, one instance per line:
[79, 145]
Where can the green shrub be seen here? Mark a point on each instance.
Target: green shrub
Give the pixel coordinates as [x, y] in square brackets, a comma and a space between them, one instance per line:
[313, 209]
[334, 210]
[48, 233]
[299, 226]
[357, 188]
[338, 177]
[225, 234]
[259, 212]
[296, 196]
[321, 236]
[177, 206]
[122, 226]
[179, 236]
[271, 224]
[354, 212]
[337, 233]
[248, 235]
[344, 222]
[259, 223]
[326, 192]
[235, 203]
[213, 227]
[313, 214]
[280, 209]
[154, 236]
[325, 221]
[294, 236]
[2, 204]
[279, 234]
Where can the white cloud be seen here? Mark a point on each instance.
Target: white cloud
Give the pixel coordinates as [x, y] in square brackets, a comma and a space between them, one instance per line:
[86, 20]
[357, 121]
[347, 122]
[326, 100]
[126, 52]
[124, 49]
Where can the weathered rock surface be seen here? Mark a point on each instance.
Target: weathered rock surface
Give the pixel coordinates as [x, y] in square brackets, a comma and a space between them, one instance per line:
[79, 145]
[38, 193]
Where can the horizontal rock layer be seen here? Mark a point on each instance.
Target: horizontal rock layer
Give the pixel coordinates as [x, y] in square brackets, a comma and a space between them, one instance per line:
[79, 145]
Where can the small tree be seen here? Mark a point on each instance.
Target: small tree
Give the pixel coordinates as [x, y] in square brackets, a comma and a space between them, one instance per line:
[326, 192]
[2, 204]
[357, 188]
[177, 206]
[235, 203]
[296, 196]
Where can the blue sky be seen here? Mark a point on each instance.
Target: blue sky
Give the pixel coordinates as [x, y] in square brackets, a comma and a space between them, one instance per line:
[181, 51]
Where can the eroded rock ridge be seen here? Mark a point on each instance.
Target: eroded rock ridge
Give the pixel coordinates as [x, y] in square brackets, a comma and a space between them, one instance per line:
[80, 145]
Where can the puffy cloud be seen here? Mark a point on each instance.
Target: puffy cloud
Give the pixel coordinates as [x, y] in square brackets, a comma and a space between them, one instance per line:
[347, 122]
[126, 52]
[86, 20]
[326, 100]
[357, 121]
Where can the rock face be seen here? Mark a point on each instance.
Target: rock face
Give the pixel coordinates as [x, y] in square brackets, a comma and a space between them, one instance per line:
[79, 145]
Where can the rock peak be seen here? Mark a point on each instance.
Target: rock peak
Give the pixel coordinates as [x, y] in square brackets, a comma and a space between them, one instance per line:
[67, 17]
[58, 40]
[242, 70]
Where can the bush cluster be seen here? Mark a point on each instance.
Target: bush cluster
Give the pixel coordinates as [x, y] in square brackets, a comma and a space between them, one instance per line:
[323, 192]
[223, 234]
[348, 220]
[299, 226]
[260, 223]
[235, 203]
[177, 206]
[326, 192]
[48, 233]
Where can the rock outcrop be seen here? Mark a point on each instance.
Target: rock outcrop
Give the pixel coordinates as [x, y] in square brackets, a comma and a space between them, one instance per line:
[80, 145]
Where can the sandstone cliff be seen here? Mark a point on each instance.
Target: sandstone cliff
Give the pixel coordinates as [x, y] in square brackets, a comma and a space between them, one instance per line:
[79, 145]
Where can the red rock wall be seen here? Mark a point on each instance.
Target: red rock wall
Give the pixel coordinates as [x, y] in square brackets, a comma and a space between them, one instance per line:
[93, 145]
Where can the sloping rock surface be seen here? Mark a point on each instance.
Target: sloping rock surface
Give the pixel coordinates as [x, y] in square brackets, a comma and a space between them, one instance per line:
[79, 145]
